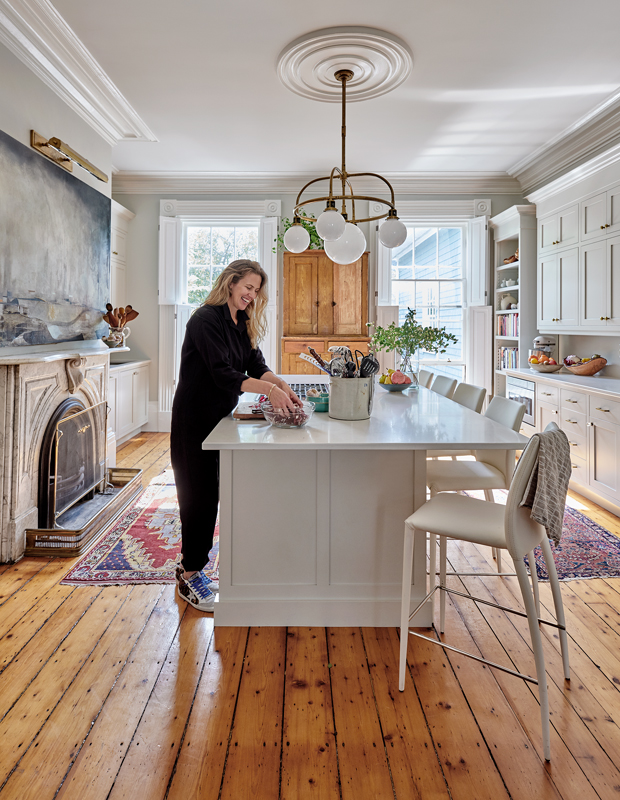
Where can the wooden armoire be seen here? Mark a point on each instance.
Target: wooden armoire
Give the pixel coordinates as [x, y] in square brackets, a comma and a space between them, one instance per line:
[324, 304]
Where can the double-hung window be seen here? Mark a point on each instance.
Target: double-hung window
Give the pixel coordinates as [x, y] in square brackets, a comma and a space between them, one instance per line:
[209, 247]
[427, 274]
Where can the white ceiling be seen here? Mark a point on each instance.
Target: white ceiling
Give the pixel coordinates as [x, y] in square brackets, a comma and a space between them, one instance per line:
[492, 81]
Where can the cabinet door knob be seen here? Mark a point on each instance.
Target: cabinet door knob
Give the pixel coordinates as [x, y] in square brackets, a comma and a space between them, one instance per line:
[607, 225]
[603, 227]
[554, 412]
[334, 303]
[602, 318]
[607, 318]
[598, 408]
[317, 303]
[590, 424]
[574, 466]
[572, 421]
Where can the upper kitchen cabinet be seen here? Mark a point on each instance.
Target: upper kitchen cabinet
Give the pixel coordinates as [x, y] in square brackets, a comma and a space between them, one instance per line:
[600, 214]
[121, 217]
[559, 229]
[558, 278]
[322, 299]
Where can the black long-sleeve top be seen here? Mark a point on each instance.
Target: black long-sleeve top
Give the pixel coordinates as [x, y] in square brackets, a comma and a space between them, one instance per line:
[216, 358]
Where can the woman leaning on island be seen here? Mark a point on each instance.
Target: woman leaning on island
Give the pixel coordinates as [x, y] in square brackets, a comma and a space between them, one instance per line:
[220, 359]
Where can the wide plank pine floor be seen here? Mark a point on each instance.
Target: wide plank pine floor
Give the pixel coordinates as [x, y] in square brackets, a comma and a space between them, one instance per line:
[127, 692]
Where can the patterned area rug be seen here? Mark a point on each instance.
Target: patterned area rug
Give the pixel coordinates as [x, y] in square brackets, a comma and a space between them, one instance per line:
[144, 546]
[586, 549]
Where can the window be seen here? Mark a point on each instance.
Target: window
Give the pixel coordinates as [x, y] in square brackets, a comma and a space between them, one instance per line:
[427, 275]
[208, 248]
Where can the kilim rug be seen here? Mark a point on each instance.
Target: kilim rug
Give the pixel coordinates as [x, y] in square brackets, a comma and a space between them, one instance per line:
[586, 549]
[144, 546]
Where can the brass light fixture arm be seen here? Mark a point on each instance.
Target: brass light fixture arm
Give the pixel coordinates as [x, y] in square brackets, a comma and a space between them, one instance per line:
[347, 194]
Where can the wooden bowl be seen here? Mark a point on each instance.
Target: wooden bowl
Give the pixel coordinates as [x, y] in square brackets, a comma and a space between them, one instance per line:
[589, 368]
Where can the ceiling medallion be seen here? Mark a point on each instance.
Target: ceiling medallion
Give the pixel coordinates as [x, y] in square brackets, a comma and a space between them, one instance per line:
[327, 65]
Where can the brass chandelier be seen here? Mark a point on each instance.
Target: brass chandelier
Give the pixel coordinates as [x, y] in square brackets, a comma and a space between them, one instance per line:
[344, 241]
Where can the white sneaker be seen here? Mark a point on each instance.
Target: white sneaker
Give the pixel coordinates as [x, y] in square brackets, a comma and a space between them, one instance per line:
[196, 592]
[213, 584]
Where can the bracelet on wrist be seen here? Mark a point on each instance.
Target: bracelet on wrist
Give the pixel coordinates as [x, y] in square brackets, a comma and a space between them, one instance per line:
[273, 386]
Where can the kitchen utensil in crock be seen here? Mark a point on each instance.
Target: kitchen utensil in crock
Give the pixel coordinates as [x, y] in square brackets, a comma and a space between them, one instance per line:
[315, 363]
[369, 366]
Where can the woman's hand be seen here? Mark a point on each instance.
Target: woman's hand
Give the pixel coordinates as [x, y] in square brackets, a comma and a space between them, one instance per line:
[284, 397]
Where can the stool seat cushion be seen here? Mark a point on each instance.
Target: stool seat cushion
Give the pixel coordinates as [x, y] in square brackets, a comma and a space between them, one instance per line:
[462, 518]
[457, 476]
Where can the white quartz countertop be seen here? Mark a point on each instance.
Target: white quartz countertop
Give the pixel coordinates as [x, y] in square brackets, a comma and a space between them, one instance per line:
[595, 383]
[421, 420]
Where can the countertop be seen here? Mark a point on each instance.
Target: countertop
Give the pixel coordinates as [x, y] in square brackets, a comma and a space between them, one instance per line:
[594, 383]
[421, 420]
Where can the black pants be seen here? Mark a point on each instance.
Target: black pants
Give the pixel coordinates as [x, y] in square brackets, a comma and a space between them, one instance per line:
[196, 474]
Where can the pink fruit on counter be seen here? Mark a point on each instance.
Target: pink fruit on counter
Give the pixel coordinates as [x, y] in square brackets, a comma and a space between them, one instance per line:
[399, 377]
[407, 379]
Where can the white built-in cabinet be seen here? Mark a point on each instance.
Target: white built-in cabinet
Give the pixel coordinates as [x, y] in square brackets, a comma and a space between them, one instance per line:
[128, 397]
[558, 276]
[591, 421]
[121, 217]
[579, 266]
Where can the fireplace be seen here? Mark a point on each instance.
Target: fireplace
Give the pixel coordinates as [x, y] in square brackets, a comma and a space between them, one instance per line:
[49, 509]
[72, 465]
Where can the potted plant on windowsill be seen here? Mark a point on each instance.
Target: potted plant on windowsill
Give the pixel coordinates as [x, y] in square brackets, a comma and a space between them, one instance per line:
[407, 340]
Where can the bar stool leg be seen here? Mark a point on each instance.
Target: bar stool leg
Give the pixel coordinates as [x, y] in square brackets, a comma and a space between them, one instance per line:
[405, 603]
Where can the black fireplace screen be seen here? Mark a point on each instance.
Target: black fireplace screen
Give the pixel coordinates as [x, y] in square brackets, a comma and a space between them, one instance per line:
[80, 456]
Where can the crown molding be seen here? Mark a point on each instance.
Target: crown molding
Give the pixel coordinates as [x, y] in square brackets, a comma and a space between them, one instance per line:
[36, 33]
[576, 175]
[588, 137]
[477, 183]
[220, 209]
[511, 215]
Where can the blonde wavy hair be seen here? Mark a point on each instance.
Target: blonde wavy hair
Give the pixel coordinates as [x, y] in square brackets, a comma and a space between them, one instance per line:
[256, 325]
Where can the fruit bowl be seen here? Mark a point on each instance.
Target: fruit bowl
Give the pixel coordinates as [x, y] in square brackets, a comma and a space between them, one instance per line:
[283, 418]
[589, 368]
[395, 387]
[546, 367]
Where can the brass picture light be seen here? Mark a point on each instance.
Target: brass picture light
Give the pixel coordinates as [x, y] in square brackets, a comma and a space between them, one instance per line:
[63, 155]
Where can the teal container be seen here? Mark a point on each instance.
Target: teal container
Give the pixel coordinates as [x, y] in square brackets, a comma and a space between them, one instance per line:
[320, 403]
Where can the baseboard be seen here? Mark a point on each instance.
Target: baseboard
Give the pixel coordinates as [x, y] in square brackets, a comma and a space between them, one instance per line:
[152, 424]
[163, 421]
[595, 497]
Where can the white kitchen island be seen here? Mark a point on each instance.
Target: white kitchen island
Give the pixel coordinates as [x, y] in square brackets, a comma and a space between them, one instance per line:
[312, 519]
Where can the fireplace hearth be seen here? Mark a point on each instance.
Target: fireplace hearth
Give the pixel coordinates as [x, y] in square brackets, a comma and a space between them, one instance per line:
[38, 388]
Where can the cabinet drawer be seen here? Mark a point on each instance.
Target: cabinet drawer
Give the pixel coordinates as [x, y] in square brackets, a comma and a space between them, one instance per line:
[299, 346]
[573, 401]
[606, 410]
[578, 443]
[572, 422]
[579, 470]
[550, 394]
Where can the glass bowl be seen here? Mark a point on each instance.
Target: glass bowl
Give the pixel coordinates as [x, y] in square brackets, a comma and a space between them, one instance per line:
[283, 418]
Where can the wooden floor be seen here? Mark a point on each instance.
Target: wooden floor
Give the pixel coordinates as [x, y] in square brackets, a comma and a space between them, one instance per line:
[127, 692]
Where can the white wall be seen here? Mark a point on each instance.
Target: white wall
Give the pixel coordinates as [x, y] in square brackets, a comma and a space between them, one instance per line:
[27, 103]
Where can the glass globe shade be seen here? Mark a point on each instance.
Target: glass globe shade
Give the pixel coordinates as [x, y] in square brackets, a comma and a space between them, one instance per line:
[296, 239]
[392, 232]
[330, 225]
[349, 247]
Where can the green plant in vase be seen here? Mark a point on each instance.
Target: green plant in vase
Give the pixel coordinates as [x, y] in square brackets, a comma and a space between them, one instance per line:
[408, 340]
[316, 243]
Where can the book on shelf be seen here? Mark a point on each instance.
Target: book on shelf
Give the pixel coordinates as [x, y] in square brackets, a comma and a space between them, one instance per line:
[507, 357]
[508, 325]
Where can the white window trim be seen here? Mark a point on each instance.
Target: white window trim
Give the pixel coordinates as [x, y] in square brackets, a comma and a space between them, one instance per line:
[174, 216]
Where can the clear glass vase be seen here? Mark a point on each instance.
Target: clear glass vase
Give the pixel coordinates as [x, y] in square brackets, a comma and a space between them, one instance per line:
[411, 369]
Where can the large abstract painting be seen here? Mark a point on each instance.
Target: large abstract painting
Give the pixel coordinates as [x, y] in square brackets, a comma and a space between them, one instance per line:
[54, 251]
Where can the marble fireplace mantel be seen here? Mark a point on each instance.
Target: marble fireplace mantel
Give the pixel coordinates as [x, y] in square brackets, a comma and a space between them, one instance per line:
[34, 381]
